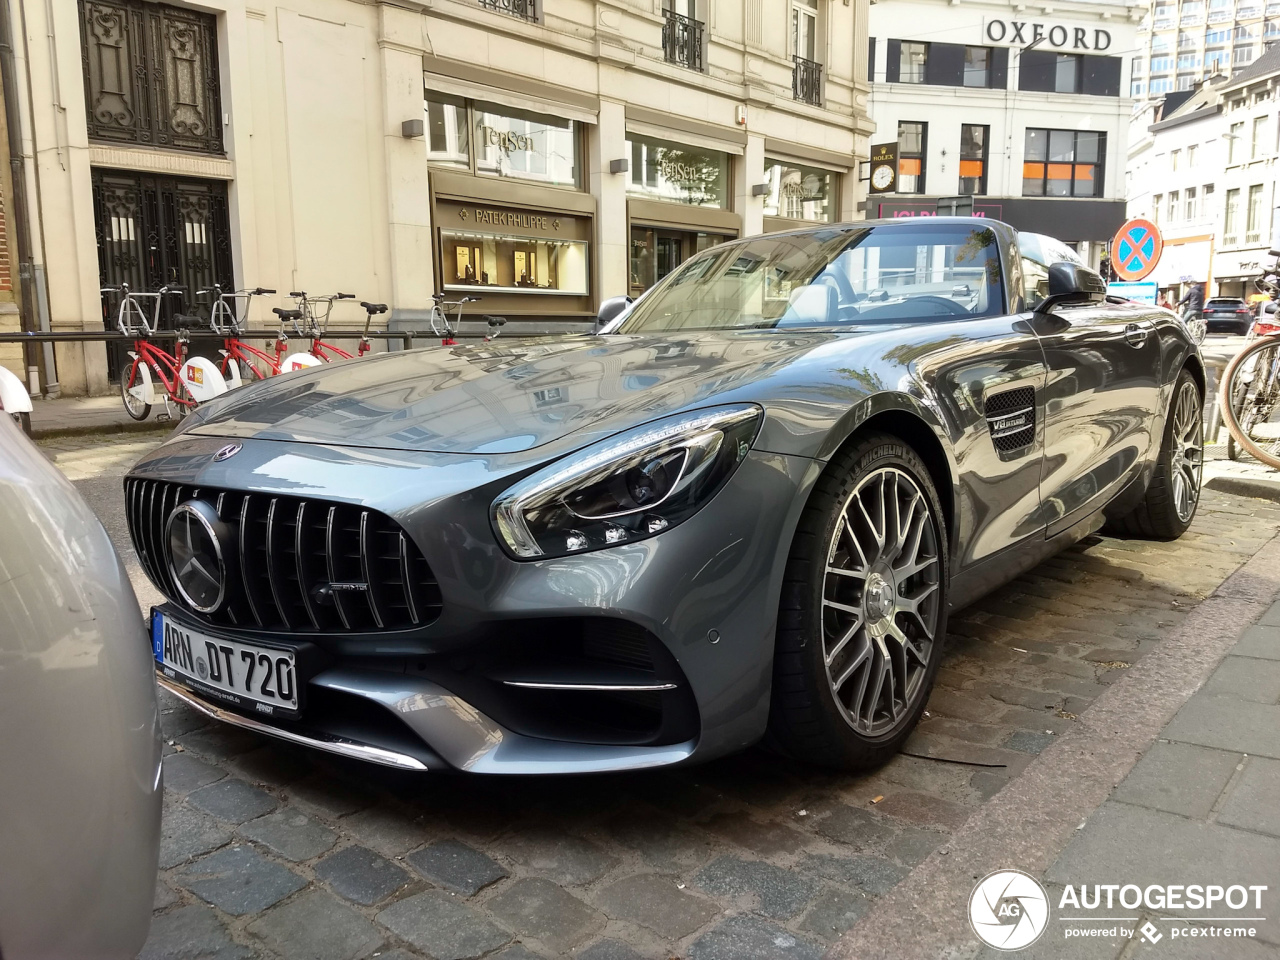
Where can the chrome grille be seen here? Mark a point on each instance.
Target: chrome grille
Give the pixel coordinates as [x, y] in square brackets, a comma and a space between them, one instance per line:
[296, 565]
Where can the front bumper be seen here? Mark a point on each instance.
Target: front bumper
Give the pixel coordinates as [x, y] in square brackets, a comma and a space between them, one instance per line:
[483, 688]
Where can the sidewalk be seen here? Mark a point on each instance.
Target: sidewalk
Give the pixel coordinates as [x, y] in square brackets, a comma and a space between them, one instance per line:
[1170, 778]
[89, 415]
[1202, 806]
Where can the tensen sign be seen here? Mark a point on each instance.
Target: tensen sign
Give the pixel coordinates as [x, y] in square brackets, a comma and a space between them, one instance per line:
[1025, 32]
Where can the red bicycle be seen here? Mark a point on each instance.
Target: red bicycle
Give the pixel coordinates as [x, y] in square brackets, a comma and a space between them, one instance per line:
[241, 361]
[138, 385]
[311, 320]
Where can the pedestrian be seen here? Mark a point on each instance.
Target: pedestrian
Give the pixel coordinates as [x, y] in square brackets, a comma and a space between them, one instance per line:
[1192, 303]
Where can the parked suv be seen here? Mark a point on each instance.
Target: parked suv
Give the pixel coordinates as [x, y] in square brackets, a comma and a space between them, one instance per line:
[1227, 315]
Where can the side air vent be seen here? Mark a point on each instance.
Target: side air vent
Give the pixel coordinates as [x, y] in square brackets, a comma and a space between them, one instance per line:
[1011, 417]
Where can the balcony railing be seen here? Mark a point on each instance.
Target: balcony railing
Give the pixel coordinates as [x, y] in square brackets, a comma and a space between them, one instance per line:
[806, 81]
[1220, 16]
[524, 9]
[682, 40]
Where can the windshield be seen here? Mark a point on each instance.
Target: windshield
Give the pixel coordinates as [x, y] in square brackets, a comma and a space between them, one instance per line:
[894, 273]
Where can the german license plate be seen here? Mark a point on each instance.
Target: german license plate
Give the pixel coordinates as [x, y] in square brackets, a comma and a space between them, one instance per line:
[264, 679]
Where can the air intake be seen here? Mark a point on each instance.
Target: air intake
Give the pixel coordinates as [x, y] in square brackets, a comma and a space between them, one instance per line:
[1011, 417]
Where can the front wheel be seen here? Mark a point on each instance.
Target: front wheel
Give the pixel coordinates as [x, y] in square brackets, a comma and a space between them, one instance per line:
[863, 609]
[134, 406]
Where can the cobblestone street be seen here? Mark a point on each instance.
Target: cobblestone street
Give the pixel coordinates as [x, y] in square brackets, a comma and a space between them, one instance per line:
[275, 852]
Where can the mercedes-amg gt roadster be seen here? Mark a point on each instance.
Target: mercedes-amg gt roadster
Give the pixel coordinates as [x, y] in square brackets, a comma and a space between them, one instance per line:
[744, 515]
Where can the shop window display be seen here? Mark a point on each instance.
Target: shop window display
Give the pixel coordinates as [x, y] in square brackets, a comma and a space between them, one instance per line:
[500, 262]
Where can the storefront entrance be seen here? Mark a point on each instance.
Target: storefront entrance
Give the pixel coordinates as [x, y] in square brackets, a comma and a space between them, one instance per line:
[655, 252]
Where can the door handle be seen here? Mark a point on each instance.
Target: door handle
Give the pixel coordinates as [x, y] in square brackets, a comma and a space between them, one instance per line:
[1135, 334]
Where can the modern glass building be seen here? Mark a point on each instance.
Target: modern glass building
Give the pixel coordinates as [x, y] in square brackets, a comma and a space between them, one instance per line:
[1181, 42]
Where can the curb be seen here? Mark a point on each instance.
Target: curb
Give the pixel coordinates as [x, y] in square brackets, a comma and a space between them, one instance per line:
[87, 430]
[1256, 488]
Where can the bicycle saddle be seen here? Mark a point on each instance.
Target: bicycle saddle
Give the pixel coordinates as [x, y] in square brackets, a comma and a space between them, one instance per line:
[284, 314]
[373, 308]
[495, 321]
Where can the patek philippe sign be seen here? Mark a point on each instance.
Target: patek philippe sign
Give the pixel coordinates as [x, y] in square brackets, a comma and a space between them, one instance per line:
[1023, 32]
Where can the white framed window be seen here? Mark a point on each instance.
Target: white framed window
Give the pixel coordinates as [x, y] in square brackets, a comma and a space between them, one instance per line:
[804, 29]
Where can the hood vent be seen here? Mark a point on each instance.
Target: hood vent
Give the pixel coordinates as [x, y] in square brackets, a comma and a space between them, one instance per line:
[1011, 417]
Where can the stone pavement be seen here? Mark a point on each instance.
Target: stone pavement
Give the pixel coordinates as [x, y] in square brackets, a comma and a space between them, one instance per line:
[275, 852]
[1201, 806]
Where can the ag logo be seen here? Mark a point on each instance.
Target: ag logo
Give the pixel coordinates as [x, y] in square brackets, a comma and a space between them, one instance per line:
[195, 374]
[1008, 910]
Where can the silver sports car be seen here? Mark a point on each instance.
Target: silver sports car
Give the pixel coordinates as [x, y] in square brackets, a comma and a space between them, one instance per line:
[745, 514]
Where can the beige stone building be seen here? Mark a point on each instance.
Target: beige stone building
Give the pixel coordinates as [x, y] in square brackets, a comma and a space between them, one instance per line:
[542, 155]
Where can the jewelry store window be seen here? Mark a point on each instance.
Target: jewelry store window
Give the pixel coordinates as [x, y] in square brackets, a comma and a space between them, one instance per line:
[798, 192]
[497, 262]
[676, 173]
[493, 141]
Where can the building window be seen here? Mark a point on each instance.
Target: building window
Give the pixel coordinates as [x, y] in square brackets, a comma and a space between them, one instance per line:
[1192, 150]
[494, 141]
[501, 262]
[912, 59]
[447, 127]
[1063, 163]
[798, 192]
[1189, 204]
[1253, 216]
[1173, 205]
[677, 173]
[1231, 217]
[1233, 138]
[1155, 207]
[912, 140]
[1174, 157]
[1256, 146]
[806, 71]
[151, 75]
[973, 158]
[977, 66]
[682, 34]
[524, 9]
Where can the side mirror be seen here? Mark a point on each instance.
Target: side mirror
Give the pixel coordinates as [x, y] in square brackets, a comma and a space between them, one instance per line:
[613, 309]
[1072, 283]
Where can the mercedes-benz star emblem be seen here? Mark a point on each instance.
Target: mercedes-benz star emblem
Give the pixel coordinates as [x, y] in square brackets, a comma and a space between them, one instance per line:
[195, 555]
[227, 452]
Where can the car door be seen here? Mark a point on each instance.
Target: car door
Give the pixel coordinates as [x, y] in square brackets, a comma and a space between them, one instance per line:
[1102, 404]
[988, 378]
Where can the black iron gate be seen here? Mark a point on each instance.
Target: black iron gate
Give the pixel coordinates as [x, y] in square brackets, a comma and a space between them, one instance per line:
[153, 230]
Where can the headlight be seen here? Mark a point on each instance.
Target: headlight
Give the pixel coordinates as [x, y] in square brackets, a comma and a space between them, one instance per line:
[628, 487]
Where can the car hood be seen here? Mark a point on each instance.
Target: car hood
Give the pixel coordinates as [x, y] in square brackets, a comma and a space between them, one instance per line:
[504, 399]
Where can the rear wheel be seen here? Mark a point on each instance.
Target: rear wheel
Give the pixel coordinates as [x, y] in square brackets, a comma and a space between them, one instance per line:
[1249, 398]
[863, 609]
[134, 406]
[1171, 500]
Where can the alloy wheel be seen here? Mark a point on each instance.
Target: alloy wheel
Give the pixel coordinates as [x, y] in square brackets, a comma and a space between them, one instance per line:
[1188, 451]
[881, 601]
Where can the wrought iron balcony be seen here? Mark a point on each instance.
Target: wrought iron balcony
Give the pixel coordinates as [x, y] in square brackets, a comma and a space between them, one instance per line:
[806, 81]
[682, 40]
[524, 9]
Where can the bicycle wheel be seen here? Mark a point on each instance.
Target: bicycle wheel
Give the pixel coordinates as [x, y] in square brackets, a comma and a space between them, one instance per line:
[134, 406]
[1252, 381]
[1237, 408]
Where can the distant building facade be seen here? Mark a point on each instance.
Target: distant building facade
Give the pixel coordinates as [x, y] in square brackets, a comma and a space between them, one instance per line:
[1181, 42]
[1026, 111]
[1204, 166]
